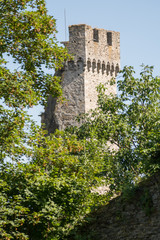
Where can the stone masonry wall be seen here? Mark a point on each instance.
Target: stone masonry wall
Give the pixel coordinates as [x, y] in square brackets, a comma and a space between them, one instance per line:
[96, 60]
[103, 62]
[135, 216]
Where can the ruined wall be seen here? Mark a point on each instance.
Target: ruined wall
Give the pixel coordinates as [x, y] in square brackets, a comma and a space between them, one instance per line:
[133, 216]
[96, 60]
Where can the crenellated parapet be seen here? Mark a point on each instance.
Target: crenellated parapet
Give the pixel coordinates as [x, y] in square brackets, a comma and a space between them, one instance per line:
[75, 65]
[102, 67]
[93, 66]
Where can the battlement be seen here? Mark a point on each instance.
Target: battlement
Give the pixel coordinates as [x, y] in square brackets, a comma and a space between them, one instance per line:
[99, 48]
[98, 34]
[95, 50]
[94, 66]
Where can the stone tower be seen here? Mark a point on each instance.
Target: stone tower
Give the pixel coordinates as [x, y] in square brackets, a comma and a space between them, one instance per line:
[96, 60]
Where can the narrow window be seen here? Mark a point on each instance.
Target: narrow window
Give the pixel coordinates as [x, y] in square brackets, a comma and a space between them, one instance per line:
[109, 38]
[98, 66]
[112, 69]
[80, 64]
[117, 69]
[71, 65]
[95, 35]
[93, 65]
[103, 67]
[88, 65]
[108, 68]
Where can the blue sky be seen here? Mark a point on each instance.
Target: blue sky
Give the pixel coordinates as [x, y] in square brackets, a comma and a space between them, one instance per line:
[138, 22]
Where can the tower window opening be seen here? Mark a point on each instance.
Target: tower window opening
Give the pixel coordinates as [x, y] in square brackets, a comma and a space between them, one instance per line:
[98, 66]
[117, 69]
[80, 64]
[95, 35]
[93, 65]
[103, 67]
[109, 38]
[108, 68]
[112, 69]
[88, 65]
[71, 65]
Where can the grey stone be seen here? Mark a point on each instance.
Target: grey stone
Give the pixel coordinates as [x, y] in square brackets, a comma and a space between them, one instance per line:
[96, 60]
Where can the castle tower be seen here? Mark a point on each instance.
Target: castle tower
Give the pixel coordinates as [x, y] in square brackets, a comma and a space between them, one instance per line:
[96, 60]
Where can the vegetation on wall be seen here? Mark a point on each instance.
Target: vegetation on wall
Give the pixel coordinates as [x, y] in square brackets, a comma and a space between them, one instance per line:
[48, 184]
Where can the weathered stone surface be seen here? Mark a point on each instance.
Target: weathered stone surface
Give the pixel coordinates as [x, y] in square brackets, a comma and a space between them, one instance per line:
[136, 216]
[96, 60]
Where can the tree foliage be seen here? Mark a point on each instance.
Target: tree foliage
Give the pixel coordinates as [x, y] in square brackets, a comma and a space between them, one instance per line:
[44, 199]
[130, 121]
[45, 182]
[27, 46]
[49, 183]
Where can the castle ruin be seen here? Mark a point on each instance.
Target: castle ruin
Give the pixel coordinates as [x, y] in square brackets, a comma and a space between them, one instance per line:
[96, 60]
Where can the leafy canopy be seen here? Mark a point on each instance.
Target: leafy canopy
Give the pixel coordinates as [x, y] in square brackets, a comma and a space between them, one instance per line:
[27, 46]
[44, 199]
[130, 121]
[44, 196]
